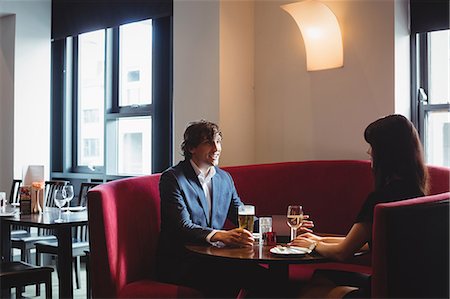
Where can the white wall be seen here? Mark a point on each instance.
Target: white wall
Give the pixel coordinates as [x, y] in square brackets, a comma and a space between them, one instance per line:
[297, 115]
[237, 96]
[196, 65]
[31, 84]
[7, 31]
[304, 115]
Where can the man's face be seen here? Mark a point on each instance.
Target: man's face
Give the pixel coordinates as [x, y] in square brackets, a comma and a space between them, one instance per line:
[207, 153]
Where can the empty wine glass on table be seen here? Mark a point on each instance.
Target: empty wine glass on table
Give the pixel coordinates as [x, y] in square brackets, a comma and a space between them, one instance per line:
[60, 201]
[294, 219]
[68, 189]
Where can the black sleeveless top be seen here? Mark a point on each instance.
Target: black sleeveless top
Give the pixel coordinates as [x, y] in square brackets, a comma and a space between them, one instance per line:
[395, 190]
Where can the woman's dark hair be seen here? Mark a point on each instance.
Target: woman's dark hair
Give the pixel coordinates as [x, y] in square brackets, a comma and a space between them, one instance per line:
[396, 152]
[196, 133]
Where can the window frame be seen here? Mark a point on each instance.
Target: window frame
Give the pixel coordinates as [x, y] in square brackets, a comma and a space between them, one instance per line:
[420, 66]
[64, 119]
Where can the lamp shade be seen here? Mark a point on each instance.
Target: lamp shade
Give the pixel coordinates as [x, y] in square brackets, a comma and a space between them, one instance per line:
[321, 34]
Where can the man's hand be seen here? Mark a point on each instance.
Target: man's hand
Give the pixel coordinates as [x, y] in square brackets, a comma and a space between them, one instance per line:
[238, 237]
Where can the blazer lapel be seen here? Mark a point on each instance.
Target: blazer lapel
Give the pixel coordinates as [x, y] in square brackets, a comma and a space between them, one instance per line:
[195, 183]
[215, 198]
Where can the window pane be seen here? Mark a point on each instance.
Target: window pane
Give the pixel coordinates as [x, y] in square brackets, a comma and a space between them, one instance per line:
[91, 98]
[437, 143]
[135, 62]
[439, 67]
[134, 145]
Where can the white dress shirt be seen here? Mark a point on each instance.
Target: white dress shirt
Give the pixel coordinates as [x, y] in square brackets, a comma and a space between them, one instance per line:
[205, 182]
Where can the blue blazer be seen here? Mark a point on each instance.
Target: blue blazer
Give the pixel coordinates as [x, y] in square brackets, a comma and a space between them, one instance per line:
[184, 214]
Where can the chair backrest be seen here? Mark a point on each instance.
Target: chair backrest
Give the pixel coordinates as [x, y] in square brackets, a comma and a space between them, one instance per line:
[124, 224]
[14, 198]
[81, 232]
[49, 201]
[50, 187]
[14, 194]
[410, 254]
[84, 189]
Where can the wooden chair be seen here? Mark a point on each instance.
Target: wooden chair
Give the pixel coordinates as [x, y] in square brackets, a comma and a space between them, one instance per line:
[19, 274]
[80, 241]
[14, 194]
[26, 243]
[17, 230]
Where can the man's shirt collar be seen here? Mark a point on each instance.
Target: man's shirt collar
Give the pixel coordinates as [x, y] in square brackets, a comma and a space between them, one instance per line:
[202, 177]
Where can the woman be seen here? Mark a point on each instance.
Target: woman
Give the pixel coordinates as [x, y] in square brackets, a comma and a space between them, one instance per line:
[400, 173]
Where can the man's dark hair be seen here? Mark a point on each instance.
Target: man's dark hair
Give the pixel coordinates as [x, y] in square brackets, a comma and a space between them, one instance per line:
[196, 133]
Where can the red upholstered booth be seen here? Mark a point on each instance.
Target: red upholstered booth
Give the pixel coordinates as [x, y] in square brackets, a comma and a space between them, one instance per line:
[124, 217]
[124, 221]
[411, 248]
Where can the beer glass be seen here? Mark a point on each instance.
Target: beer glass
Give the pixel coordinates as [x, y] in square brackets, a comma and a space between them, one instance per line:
[246, 215]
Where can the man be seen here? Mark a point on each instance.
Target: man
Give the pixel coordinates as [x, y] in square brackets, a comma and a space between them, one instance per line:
[197, 198]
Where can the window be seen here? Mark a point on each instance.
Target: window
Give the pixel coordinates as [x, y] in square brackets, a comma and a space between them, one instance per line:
[135, 61]
[91, 98]
[91, 116]
[432, 94]
[111, 102]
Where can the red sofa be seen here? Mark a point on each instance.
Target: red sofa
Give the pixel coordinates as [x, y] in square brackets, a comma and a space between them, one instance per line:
[411, 248]
[124, 217]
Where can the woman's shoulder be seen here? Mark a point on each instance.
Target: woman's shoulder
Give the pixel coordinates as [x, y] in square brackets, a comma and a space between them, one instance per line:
[397, 189]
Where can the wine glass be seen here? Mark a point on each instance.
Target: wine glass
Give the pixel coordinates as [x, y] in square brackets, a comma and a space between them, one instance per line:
[68, 190]
[60, 201]
[294, 219]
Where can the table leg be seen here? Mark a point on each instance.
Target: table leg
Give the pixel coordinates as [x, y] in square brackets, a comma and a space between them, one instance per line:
[5, 252]
[65, 261]
[5, 241]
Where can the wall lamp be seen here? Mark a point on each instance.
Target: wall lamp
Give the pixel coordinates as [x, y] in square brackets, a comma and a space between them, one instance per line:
[321, 34]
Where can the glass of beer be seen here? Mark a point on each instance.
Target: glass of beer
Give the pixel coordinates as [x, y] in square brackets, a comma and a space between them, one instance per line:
[246, 215]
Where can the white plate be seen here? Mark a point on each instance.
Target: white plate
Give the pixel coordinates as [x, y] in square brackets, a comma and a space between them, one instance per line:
[16, 204]
[291, 250]
[74, 209]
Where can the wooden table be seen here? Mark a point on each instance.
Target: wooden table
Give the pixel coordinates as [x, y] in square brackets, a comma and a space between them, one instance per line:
[258, 254]
[63, 233]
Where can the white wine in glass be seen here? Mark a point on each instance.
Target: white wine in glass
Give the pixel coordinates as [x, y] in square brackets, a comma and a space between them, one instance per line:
[294, 219]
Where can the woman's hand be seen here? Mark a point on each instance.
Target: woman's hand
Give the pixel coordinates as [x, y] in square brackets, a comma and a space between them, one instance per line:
[303, 242]
[306, 226]
[311, 237]
[236, 237]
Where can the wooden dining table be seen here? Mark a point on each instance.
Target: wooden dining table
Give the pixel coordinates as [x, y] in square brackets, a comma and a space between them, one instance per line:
[63, 232]
[260, 254]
